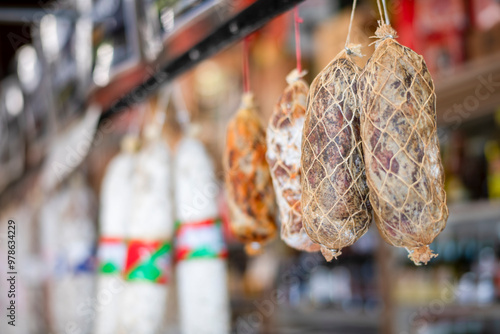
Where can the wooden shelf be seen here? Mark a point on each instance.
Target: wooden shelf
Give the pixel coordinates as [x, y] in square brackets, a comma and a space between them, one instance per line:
[474, 212]
[462, 96]
[328, 320]
[478, 312]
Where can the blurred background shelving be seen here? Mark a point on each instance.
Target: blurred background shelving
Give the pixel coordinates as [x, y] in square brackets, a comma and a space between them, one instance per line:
[453, 88]
[372, 287]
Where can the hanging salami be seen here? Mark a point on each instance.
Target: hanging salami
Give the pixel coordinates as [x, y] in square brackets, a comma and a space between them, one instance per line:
[68, 240]
[336, 210]
[284, 137]
[149, 235]
[200, 250]
[18, 223]
[401, 149]
[248, 180]
[115, 202]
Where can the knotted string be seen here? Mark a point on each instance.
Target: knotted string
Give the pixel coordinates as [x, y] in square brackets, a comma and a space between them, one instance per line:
[352, 49]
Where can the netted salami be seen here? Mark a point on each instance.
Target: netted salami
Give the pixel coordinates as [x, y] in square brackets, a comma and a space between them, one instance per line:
[401, 150]
[284, 138]
[336, 210]
[248, 180]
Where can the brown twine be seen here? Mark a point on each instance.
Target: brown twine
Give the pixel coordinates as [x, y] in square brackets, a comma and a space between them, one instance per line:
[382, 16]
[384, 30]
[352, 49]
[385, 12]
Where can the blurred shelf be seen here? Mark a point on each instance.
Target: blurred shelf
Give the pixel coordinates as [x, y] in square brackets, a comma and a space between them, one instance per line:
[476, 312]
[322, 321]
[462, 95]
[474, 212]
[410, 318]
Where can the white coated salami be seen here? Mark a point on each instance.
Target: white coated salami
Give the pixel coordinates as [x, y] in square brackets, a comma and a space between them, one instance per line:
[284, 138]
[200, 249]
[116, 199]
[68, 240]
[28, 316]
[149, 235]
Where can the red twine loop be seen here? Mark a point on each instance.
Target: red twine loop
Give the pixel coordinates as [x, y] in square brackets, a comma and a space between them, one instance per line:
[297, 20]
[246, 66]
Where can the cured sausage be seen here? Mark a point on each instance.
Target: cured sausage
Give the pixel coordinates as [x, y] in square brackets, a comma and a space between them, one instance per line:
[150, 229]
[403, 164]
[200, 250]
[284, 138]
[336, 210]
[248, 180]
[68, 239]
[115, 201]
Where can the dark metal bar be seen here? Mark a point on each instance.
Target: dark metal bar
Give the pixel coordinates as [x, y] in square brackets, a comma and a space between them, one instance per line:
[22, 16]
[249, 20]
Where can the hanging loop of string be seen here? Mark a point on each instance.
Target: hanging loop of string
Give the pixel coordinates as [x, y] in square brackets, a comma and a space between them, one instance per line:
[352, 49]
[134, 128]
[297, 21]
[379, 6]
[246, 66]
[383, 16]
[153, 130]
[385, 12]
[162, 105]
[384, 31]
[348, 39]
[181, 110]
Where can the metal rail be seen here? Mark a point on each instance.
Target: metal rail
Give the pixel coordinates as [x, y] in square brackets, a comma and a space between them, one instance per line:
[21, 16]
[247, 21]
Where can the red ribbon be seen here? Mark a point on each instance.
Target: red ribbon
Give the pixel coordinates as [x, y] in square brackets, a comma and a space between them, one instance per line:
[246, 66]
[298, 54]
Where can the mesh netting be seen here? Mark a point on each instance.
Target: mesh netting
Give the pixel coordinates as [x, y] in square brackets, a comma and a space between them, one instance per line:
[403, 164]
[284, 137]
[335, 206]
[248, 180]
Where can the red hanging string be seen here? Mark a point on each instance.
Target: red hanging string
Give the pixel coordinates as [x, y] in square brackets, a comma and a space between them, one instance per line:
[298, 54]
[246, 66]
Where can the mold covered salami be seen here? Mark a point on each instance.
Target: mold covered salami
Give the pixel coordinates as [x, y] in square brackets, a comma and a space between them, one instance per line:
[67, 238]
[149, 232]
[284, 137]
[248, 180]
[336, 210]
[116, 199]
[401, 150]
[20, 218]
[200, 250]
